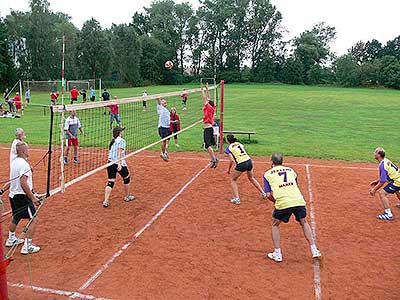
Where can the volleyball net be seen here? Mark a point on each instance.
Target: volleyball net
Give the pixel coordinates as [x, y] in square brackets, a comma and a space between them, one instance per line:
[138, 115]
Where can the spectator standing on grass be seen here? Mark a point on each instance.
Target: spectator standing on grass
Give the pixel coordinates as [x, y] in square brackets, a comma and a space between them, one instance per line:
[145, 100]
[28, 96]
[71, 127]
[83, 93]
[114, 114]
[22, 199]
[18, 103]
[280, 185]
[105, 96]
[6, 94]
[163, 126]
[92, 94]
[175, 124]
[184, 96]
[74, 93]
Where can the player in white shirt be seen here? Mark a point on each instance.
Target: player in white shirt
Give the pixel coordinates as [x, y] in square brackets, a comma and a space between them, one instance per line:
[22, 199]
[145, 100]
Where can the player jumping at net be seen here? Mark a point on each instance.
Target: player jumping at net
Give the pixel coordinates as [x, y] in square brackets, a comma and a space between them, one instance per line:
[22, 199]
[238, 155]
[114, 114]
[71, 127]
[175, 125]
[208, 122]
[163, 126]
[388, 173]
[280, 184]
[116, 152]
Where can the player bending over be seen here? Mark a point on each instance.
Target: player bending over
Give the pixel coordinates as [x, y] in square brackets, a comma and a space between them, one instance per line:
[388, 173]
[71, 127]
[116, 151]
[208, 122]
[175, 125]
[238, 155]
[163, 126]
[22, 199]
[280, 184]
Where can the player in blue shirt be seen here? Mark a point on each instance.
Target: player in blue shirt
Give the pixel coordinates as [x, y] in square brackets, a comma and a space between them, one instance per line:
[116, 154]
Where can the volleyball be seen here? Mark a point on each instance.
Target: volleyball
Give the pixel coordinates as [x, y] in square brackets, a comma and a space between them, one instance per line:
[169, 65]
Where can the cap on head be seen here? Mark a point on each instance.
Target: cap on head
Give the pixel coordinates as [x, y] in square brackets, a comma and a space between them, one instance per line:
[277, 159]
[380, 151]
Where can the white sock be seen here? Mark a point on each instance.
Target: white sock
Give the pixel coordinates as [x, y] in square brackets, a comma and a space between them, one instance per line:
[388, 211]
[313, 248]
[278, 251]
[11, 235]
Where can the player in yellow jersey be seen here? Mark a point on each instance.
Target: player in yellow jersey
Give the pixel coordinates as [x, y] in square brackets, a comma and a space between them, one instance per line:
[388, 173]
[238, 155]
[280, 184]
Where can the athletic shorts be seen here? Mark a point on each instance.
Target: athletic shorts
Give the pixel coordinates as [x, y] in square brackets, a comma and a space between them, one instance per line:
[164, 132]
[18, 105]
[184, 100]
[244, 166]
[391, 188]
[300, 212]
[22, 208]
[116, 117]
[92, 98]
[144, 103]
[209, 139]
[73, 142]
[74, 99]
[113, 170]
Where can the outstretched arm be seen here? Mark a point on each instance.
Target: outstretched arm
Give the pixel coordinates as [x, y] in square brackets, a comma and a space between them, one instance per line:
[203, 93]
[207, 92]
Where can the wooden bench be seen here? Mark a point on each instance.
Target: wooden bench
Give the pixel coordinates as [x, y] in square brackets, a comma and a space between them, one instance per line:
[249, 133]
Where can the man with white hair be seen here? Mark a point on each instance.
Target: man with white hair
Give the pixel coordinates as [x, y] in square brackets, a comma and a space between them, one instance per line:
[389, 174]
[19, 137]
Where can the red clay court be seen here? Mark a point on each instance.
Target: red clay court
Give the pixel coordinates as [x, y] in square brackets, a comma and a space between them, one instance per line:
[183, 239]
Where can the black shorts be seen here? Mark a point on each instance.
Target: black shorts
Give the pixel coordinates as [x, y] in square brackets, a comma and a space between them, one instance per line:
[144, 103]
[113, 170]
[244, 166]
[92, 98]
[209, 139]
[164, 132]
[184, 100]
[74, 99]
[22, 208]
[300, 212]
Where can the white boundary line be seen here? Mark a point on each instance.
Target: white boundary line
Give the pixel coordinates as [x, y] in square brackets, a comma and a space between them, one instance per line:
[72, 295]
[316, 264]
[137, 234]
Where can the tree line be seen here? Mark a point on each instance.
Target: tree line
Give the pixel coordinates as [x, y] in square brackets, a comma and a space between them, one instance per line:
[239, 41]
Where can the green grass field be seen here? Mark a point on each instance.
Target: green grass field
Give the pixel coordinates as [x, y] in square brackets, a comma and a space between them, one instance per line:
[317, 122]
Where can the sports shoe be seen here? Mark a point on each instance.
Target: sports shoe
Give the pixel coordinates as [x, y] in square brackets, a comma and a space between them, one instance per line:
[184, 108]
[16, 241]
[275, 257]
[316, 254]
[385, 217]
[129, 198]
[106, 203]
[65, 160]
[76, 161]
[216, 160]
[164, 156]
[264, 195]
[235, 200]
[30, 250]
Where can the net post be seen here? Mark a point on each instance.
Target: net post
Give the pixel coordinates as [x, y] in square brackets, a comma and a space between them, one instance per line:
[49, 152]
[100, 88]
[20, 91]
[221, 125]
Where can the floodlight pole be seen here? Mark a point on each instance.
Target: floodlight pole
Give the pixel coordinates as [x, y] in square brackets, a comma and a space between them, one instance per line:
[221, 121]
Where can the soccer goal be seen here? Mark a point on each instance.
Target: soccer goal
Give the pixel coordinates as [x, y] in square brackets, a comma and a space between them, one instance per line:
[41, 86]
[85, 84]
[141, 132]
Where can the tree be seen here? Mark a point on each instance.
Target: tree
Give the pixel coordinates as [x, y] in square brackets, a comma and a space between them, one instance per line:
[390, 72]
[94, 50]
[127, 53]
[7, 70]
[346, 71]
[392, 48]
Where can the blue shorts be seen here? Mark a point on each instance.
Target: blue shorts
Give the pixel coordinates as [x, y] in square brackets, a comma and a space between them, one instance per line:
[391, 188]
[116, 117]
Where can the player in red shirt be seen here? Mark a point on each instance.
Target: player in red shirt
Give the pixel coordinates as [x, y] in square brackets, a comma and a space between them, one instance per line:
[54, 96]
[208, 122]
[74, 95]
[184, 96]
[18, 103]
[175, 124]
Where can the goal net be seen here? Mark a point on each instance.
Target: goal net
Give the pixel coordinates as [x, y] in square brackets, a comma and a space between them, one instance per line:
[41, 86]
[141, 132]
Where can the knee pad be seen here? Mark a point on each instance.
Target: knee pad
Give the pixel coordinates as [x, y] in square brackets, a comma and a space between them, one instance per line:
[127, 180]
[111, 184]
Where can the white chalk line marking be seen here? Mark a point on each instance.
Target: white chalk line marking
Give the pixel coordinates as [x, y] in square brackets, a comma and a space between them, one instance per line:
[137, 234]
[72, 295]
[316, 264]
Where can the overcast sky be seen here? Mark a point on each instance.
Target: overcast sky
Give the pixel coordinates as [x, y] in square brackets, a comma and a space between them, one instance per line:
[354, 19]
